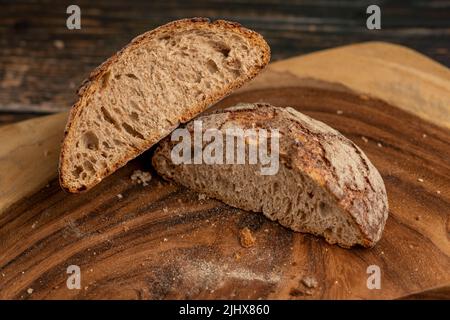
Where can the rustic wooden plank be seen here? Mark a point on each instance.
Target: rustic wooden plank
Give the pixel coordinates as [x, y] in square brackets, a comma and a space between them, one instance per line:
[42, 63]
[162, 241]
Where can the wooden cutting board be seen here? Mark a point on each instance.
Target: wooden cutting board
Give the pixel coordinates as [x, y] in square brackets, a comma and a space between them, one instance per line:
[164, 241]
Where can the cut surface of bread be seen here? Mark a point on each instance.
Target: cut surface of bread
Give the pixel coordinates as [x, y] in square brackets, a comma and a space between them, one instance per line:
[162, 78]
[325, 184]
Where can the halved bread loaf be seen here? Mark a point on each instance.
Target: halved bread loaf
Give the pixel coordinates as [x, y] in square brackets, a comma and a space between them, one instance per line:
[162, 78]
[325, 184]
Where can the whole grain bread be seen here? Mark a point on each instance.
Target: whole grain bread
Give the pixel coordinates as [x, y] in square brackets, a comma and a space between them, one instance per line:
[164, 77]
[325, 184]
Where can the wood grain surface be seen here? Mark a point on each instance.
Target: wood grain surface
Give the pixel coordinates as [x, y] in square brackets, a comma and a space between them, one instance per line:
[42, 62]
[163, 241]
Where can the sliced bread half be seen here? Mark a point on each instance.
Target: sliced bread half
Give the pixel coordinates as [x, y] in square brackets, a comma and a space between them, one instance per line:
[138, 96]
[325, 184]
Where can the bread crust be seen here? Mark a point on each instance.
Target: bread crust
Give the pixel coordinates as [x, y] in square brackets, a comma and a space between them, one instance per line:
[311, 147]
[90, 84]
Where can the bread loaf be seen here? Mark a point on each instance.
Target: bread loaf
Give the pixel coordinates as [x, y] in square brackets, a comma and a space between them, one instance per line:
[138, 96]
[325, 184]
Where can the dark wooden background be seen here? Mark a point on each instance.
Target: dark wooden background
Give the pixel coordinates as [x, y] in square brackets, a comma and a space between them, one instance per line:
[42, 62]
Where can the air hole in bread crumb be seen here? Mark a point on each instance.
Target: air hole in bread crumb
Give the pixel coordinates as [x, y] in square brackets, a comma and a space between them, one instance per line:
[134, 116]
[212, 66]
[105, 79]
[118, 142]
[221, 47]
[132, 76]
[132, 131]
[106, 145]
[165, 37]
[90, 140]
[107, 116]
[77, 171]
[89, 166]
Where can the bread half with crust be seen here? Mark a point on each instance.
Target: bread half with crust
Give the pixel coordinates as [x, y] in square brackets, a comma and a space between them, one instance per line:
[164, 77]
[325, 184]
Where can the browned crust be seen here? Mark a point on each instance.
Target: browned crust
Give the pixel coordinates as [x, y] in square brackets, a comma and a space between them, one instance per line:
[307, 156]
[88, 86]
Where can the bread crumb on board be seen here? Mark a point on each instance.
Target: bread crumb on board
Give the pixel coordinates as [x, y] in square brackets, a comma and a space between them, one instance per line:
[202, 196]
[30, 290]
[420, 179]
[364, 139]
[120, 196]
[340, 112]
[246, 238]
[310, 282]
[141, 177]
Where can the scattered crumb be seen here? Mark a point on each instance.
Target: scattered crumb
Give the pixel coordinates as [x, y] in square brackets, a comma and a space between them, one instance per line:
[364, 139]
[420, 180]
[30, 290]
[339, 112]
[34, 225]
[125, 228]
[266, 230]
[382, 252]
[91, 270]
[23, 272]
[165, 209]
[310, 282]
[165, 239]
[379, 145]
[202, 196]
[336, 282]
[120, 196]
[3, 274]
[411, 246]
[424, 135]
[246, 238]
[438, 192]
[95, 253]
[85, 288]
[141, 177]
[59, 44]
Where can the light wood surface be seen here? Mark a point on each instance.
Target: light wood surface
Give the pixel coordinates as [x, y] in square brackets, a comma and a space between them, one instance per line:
[161, 241]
